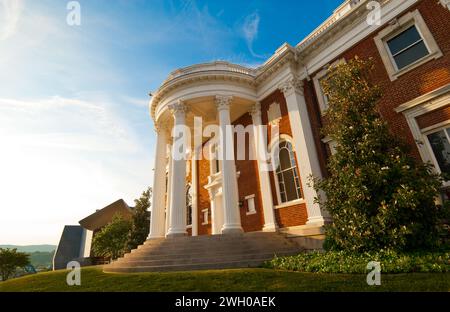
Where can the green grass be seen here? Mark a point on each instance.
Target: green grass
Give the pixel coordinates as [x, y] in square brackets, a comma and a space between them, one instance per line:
[93, 279]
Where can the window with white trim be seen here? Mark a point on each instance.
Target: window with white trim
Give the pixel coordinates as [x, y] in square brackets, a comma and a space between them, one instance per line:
[287, 173]
[406, 44]
[319, 79]
[215, 163]
[205, 216]
[189, 205]
[407, 47]
[440, 146]
[251, 208]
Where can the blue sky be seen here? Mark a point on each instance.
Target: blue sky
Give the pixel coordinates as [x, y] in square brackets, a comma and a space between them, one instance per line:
[74, 123]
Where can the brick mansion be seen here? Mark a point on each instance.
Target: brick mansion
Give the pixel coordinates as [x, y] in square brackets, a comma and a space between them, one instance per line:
[212, 196]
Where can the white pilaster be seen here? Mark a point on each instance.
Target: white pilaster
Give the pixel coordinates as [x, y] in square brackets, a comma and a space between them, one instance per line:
[304, 145]
[194, 192]
[177, 226]
[445, 3]
[260, 147]
[169, 186]
[230, 196]
[157, 219]
[216, 211]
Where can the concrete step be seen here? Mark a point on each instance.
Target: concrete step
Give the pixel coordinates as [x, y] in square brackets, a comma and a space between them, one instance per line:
[227, 246]
[205, 252]
[185, 267]
[156, 256]
[210, 259]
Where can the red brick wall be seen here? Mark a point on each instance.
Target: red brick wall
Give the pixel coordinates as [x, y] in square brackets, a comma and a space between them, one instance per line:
[203, 196]
[248, 183]
[296, 214]
[315, 118]
[419, 81]
[434, 117]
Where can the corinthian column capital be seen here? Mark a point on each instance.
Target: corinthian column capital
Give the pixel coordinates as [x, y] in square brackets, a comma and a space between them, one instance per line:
[293, 84]
[223, 102]
[178, 108]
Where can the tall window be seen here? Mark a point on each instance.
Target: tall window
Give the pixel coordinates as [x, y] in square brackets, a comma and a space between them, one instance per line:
[440, 144]
[188, 206]
[215, 164]
[407, 47]
[287, 173]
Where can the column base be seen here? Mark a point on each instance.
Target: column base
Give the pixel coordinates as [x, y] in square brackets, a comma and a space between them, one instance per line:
[270, 228]
[173, 235]
[318, 221]
[232, 230]
[155, 237]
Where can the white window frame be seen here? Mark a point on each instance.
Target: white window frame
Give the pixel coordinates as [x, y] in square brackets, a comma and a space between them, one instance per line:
[189, 226]
[398, 26]
[214, 162]
[331, 144]
[250, 203]
[321, 98]
[205, 216]
[426, 103]
[433, 129]
[273, 147]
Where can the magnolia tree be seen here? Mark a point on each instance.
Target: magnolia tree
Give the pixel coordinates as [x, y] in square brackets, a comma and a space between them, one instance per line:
[141, 221]
[111, 241]
[378, 196]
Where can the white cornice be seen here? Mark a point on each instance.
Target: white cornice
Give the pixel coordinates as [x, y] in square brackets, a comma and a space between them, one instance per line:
[445, 3]
[326, 42]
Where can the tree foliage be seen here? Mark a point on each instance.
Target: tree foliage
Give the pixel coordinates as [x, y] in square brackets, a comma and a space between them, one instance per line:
[141, 221]
[10, 260]
[378, 196]
[111, 241]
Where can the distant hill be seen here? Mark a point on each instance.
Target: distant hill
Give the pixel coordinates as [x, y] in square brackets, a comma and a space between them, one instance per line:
[31, 248]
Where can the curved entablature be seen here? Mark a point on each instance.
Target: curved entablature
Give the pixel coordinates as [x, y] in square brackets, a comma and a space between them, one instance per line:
[203, 80]
[217, 77]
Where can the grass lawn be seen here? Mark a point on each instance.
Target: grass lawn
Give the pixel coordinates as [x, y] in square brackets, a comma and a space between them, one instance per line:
[93, 279]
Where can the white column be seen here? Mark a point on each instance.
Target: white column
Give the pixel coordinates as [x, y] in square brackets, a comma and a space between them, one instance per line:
[177, 226]
[169, 186]
[215, 228]
[304, 144]
[230, 197]
[260, 147]
[157, 224]
[194, 193]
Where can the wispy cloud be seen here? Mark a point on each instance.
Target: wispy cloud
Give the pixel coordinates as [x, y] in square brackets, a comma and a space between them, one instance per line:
[250, 30]
[10, 11]
[65, 123]
[140, 102]
[70, 156]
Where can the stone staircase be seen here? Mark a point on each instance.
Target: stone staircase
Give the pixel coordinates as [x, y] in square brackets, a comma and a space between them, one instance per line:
[205, 252]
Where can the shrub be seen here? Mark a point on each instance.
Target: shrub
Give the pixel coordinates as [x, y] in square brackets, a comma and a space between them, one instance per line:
[356, 263]
[111, 241]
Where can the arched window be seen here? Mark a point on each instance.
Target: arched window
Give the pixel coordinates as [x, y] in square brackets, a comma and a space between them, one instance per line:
[287, 173]
[188, 205]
